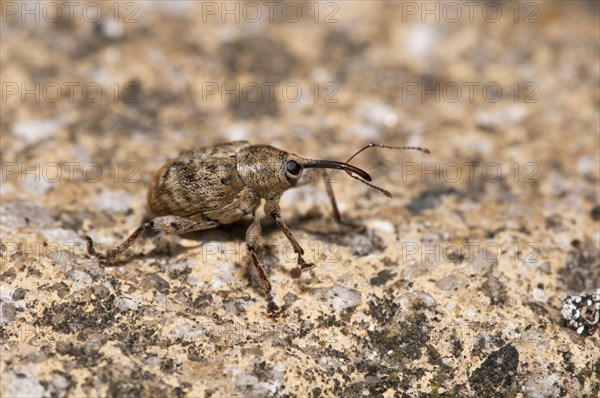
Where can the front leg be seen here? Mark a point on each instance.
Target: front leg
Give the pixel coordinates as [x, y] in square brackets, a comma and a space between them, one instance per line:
[272, 209]
[253, 236]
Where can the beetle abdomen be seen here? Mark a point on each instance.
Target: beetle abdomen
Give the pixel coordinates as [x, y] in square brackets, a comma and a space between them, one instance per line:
[193, 184]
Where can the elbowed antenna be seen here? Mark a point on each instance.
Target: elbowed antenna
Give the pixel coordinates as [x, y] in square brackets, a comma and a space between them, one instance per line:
[332, 164]
[348, 168]
[371, 145]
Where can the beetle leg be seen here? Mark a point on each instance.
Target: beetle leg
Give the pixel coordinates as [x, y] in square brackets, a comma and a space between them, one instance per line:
[336, 212]
[167, 224]
[273, 210]
[253, 236]
[329, 188]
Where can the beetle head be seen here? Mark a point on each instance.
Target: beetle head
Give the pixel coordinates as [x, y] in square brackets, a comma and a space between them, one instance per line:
[269, 171]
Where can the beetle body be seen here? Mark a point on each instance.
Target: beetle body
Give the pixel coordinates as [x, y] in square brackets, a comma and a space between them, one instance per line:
[204, 184]
[225, 182]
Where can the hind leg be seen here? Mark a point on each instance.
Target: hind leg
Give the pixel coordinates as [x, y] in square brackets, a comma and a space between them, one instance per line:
[167, 224]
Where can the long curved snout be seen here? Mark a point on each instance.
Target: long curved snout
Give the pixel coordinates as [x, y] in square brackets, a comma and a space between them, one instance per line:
[332, 164]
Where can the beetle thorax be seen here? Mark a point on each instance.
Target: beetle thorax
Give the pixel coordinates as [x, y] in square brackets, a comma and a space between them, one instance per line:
[262, 169]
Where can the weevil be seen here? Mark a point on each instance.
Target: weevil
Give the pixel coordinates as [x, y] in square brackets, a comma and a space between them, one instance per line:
[221, 184]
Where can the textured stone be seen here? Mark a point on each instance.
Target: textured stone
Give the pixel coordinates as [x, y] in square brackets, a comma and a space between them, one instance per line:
[452, 287]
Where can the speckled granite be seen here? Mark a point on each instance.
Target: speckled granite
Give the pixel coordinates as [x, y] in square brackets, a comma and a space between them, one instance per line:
[455, 286]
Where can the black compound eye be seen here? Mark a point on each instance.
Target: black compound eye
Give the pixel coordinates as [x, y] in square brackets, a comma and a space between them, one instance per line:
[293, 168]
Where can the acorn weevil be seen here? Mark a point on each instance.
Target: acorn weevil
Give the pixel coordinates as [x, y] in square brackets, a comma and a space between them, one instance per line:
[220, 184]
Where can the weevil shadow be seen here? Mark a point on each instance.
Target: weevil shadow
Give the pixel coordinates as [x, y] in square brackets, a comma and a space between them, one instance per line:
[235, 232]
[323, 227]
[326, 227]
[231, 232]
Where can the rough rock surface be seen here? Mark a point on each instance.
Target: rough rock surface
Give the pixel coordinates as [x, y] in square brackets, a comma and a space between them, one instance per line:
[453, 288]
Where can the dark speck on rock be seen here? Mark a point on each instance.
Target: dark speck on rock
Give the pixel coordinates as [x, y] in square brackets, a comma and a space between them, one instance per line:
[429, 200]
[19, 294]
[101, 291]
[8, 313]
[363, 244]
[260, 56]
[8, 276]
[61, 288]
[595, 213]
[382, 277]
[155, 281]
[497, 372]
[388, 262]
[290, 298]
[68, 348]
[582, 268]
[407, 342]
[495, 290]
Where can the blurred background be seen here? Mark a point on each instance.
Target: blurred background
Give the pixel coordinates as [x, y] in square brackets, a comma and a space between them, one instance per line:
[140, 81]
[97, 95]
